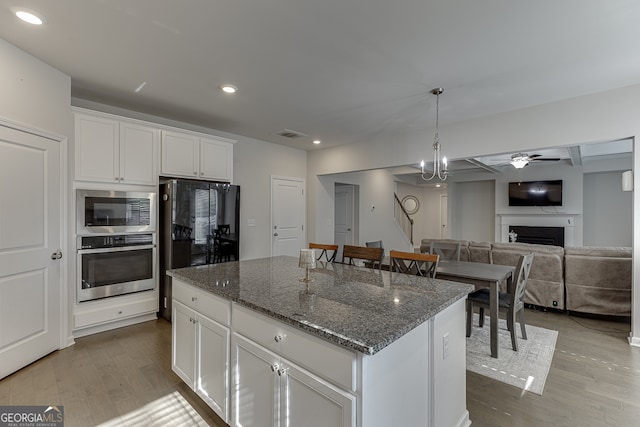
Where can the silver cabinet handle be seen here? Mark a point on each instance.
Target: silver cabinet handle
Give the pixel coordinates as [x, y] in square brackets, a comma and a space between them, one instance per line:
[194, 299]
[282, 371]
[57, 254]
[278, 338]
[274, 367]
[275, 234]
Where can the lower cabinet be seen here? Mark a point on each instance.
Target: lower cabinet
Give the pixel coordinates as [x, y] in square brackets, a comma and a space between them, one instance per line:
[268, 387]
[200, 356]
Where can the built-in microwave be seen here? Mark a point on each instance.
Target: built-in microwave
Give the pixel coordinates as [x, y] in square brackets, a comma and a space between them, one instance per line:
[100, 211]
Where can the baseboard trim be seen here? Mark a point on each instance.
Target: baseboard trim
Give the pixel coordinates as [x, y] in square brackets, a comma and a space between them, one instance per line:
[113, 325]
[634, 341]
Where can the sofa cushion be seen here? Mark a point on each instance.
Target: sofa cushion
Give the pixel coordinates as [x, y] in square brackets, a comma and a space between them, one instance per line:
[609, 251]
[480, 252]
[545, 286]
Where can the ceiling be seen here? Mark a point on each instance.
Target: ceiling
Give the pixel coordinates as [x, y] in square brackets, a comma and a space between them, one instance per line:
[342, 71]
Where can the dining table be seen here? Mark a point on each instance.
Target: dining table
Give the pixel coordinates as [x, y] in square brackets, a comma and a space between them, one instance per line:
[474, 272]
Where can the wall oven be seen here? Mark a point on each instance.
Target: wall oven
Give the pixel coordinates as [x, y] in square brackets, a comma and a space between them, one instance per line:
[100, 211]
[115, 264]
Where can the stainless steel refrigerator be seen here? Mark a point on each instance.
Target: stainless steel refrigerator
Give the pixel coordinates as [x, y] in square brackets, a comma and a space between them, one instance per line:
[199, 224]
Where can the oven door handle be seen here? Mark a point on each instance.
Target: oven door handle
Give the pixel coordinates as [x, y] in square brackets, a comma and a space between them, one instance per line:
[116, 249]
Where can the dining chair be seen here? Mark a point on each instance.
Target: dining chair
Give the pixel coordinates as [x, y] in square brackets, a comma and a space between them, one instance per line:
[414, 263]
[224, 228]
[327, 251]
[449, 251]
[509, 302]
[372, 255]
[376, 244]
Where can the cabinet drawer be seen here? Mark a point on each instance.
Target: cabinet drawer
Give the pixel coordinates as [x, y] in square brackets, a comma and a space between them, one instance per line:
[203, 302]
[112, 313]
[329, 361]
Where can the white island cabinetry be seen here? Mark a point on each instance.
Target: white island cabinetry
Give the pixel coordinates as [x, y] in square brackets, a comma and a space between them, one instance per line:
[282, 375]
[194, 156]
[200, 350]
[267, 379]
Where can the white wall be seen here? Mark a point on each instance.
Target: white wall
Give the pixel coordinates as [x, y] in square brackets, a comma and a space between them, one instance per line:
[254, 162]
[472, 210]
[376, 209]
[38, 97]
[426, 223]
[33, 93]
[608, 210]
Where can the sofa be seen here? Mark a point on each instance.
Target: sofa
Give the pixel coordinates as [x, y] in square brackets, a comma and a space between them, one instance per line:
[593, 280]
[598, 280]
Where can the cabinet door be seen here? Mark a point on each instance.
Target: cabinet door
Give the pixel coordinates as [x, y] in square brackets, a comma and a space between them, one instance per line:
[138, 154]
[212, 364]
[255, 388]
[183, 350]
[216, 160]
[308, 401]
[97, 148]
[180, 154]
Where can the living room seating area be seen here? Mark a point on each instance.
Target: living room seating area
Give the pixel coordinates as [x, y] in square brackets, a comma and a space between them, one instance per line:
[590, 280]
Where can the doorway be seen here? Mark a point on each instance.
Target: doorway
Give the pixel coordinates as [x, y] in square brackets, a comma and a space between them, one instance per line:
[287, 216]
[32, 297]
[345, 216]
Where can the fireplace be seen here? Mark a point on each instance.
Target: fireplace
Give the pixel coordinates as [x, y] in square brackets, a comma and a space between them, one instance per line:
[563, 221]
[539, 235]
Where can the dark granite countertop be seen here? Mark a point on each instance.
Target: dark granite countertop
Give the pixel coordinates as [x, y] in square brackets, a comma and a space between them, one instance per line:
[355, 307]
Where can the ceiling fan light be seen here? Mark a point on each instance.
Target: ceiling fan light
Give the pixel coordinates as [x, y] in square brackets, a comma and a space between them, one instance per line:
[519, 161]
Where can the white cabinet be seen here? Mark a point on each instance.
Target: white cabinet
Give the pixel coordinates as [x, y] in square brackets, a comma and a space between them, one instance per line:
[110, 150]
[270, 390]
[191, 155]
[200, 350]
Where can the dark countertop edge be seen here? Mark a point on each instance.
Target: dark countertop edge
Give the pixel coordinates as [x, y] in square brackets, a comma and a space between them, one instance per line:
[331, 337]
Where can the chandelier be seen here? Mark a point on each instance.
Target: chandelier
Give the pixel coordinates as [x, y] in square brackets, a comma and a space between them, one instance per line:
[439, 163]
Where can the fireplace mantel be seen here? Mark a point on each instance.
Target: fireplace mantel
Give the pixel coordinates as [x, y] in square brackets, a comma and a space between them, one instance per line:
[566, 220]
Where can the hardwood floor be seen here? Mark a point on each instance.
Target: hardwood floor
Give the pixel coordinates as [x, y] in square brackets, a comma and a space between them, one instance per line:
[116, 378]
[124, 378]
[594, 380]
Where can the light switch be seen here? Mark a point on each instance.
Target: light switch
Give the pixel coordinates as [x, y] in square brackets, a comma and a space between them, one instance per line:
[251, 222]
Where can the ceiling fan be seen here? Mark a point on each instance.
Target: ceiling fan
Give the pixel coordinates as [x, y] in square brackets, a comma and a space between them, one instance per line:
[520, 160]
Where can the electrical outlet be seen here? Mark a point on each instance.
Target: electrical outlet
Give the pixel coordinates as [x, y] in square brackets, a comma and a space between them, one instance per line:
[445, 345]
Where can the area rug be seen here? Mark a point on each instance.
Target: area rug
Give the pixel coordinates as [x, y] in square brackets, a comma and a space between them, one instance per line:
[526, 368]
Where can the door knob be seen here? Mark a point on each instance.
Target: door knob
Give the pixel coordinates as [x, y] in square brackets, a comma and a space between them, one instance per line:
[57, 254]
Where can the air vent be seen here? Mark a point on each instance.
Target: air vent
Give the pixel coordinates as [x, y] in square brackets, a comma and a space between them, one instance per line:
[291, 134]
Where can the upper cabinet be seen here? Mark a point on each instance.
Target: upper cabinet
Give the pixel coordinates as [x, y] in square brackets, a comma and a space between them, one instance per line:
[117, 151]
[193, 156]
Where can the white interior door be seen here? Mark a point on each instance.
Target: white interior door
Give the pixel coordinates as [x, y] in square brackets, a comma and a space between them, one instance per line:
[29, 241]
[444, 216]
[343, 217]
[287, 216]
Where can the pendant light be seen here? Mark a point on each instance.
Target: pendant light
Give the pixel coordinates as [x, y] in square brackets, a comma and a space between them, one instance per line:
[439, 163]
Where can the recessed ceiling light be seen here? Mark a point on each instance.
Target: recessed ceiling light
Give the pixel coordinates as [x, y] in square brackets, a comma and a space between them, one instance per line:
[28, 16]
[317, 141]
[228, 88]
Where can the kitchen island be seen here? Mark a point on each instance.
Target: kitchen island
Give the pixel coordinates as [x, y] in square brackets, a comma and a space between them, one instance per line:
[356, 347]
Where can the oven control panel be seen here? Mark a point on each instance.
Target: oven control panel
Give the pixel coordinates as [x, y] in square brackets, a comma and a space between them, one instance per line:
[115, 241]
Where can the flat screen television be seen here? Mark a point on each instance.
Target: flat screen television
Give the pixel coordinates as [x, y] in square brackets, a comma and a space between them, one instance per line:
[535, 193]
